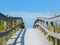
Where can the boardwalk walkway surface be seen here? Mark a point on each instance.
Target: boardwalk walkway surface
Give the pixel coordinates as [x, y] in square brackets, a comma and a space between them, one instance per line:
[30, 36]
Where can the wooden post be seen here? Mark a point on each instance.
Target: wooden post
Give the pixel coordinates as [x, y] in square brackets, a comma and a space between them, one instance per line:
[37, 27]
[52, 41]
[43, 22]
[17, 22]
[47, 25]
[10, 24]
[51, 38]
[43, 25]
[20, 21]
[52, 27]
[13, 26]
[47, 34]
[58, 42]
[40, 22]
[4, 41]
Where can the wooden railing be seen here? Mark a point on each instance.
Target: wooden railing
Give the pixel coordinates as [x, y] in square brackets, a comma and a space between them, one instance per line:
[43, 25]
[8, 26]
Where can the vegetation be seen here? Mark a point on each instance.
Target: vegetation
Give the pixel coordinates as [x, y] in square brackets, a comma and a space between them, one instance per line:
[56, 28]
[8, 26]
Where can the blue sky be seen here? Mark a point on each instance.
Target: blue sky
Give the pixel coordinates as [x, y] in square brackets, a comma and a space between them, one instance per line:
[29, 9]
[30, 5]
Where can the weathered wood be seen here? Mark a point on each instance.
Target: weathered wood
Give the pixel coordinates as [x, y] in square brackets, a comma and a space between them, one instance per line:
[4, 38]
[13, 26]
[52, 40]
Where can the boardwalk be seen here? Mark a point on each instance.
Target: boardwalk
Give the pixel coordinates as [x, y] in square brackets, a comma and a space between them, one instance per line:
[15, 33]
[32, 37]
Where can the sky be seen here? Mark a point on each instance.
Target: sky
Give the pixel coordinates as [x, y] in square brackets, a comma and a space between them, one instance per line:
[29, 10]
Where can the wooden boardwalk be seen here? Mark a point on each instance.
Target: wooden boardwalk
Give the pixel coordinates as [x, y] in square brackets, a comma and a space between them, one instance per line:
[32, 37]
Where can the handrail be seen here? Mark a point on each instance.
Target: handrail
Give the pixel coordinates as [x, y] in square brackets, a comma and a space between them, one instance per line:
[9, 30]
[53, 19]
[56, 35]
[7, 19]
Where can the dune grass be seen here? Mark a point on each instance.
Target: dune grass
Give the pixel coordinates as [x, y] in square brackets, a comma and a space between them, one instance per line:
[56, 29]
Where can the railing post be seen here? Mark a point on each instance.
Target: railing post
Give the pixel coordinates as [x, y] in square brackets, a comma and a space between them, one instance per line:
[52, 40]
[4, 38]
[58, 42]
[17, 21]
[10, 25]
[43, 22]
[47, 25]
[20, 21]
[37, 27]
[13, 25]
[40, 21]
[52, 27]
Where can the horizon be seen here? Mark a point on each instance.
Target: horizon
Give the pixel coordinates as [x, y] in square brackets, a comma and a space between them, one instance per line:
[30, 9]
[29, 18]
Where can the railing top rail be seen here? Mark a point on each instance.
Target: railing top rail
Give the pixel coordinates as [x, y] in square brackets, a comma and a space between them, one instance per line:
[53, 19]
[7, 32]
[49, 18]
[56, 35]
[7, 19]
